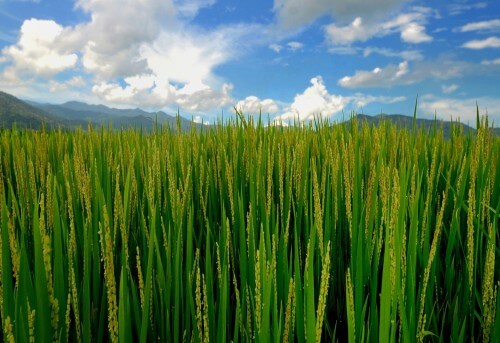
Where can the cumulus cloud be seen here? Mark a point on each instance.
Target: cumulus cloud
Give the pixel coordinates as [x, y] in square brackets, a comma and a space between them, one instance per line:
[74, 82]
[296, 13]
[180, 71]
[314, 101]
[478, 44]
[345, 35]
[449, 89]
[152, 37]
[144, 55]
[254, 105]
[377, 77]
[185, 57]
[157, 93]
[110, 41]
[199, 120]
[206, 99]
[37, 50]
[415, 33]
[460, 108]
[410, 26]
[486, 25]
[442, 68]
[317, 101]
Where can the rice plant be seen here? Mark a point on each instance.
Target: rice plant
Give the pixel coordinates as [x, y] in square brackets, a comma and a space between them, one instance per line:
[246, 233]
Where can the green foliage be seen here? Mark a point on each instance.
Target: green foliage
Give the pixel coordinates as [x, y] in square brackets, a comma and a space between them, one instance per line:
[244, 232]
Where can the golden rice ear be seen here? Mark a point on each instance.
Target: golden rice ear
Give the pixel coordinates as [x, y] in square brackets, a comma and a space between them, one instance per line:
[323, 293]
[109, 275]
[8, 331]
[289, 317]
[490, 291]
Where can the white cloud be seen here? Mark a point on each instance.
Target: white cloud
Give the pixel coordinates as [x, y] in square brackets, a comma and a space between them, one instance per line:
[440, 29]
[345, 35]
[456, 9]
[361, 100]
[278, 123]
[37, 51]
[291, 46]
[254, 105]
[295, 45]
[408, 55]
[343, 50]
[155, 37]
[415, 33]
[460, 108]
[142, 92]
[276, 47]
[477, 44]
[74, 82]
[449, 89]
[186, 57]
[377, 77]
[317, 101]
[189, 8]
[296, 13]
[144, 55]
[314, 101]
[487, 25]
[410, 26]
[442, 68]
[179, 71]
[491, 62]
[111, 40]
[206, 99]
[199, 120]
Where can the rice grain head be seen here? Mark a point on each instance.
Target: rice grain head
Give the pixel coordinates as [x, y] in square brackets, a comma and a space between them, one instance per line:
[288, 314]
[323, 293]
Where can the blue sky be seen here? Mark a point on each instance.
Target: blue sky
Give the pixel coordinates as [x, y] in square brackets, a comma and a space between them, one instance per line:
[288, 58]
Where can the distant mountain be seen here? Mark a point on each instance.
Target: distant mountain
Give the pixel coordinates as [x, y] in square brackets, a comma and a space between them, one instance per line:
[427, 124]
[65, 113]
[17, 112]
[103, 115]
[100, 112]
[29, 114]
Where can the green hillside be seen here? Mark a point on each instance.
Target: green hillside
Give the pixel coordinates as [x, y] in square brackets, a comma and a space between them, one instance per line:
[16, 112]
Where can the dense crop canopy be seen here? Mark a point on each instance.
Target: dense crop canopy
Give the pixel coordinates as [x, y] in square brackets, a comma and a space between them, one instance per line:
[242, 233]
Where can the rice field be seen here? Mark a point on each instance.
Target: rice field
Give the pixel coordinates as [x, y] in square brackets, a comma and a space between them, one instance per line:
[245, 233]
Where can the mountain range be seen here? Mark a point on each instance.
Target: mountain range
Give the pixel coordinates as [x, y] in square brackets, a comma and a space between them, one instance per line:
[72, 114]
[29, 114]
[427, 124]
